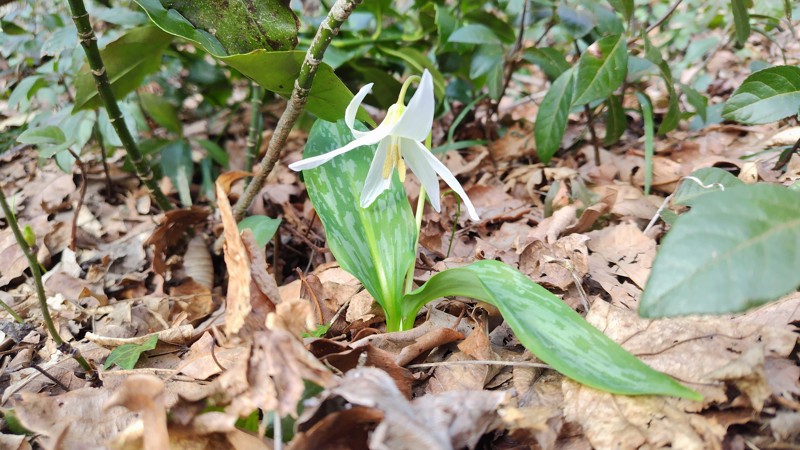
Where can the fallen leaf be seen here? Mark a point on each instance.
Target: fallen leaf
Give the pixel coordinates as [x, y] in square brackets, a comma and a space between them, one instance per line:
[144, 394]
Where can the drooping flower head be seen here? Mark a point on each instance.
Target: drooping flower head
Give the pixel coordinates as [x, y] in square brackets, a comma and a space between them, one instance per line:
[399, 138]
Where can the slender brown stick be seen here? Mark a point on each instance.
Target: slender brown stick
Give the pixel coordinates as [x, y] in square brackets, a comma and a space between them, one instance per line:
[81, 196]
[89, 43]
[329, 28]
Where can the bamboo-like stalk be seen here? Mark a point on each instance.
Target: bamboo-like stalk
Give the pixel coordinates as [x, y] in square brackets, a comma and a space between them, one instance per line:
[89, 43]
[33, 263]
[254, 133]
[329, 28]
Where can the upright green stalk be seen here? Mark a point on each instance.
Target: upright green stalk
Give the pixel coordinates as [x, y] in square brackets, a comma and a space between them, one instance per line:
[254, 133]
[89, 44]
[33, 263]
[329, 28]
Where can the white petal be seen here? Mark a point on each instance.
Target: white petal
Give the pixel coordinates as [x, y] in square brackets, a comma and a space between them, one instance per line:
[370, 138]
[417, 119]
[375, 184]
[448, 178]
[352, 109]
[412, 153]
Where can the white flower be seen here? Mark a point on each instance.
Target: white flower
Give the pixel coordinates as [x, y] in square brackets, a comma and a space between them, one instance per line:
[399, 138]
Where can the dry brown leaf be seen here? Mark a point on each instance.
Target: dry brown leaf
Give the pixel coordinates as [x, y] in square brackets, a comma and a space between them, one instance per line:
[177, 335]
[558, 264]
[197, 262]
[342, 430]
[170, 231]
[201, 364]
[271, 376]
[627, 251]
[144, 394]
[54, 417]
[14, 442]
[747, 374]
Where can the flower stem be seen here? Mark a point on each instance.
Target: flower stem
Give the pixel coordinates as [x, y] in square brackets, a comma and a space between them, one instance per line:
[329, 28]
[89, 43]
[418, 222]
[402, 96]
[36, 271]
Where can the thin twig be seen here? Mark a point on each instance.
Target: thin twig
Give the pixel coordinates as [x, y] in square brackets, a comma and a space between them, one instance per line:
[36, 271]
[50, 377]
[480, 363]
[329, 28]
[593, 133]
[89, 43]
[664, 17]
[81, 196]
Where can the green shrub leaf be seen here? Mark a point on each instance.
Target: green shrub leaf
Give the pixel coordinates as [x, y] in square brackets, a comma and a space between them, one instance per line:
[712, 179]
[597, 78]
[375, 244]
[551, 120]
[126, 355]
[734, 250]
[765, 96]
[127, 60]
[550, 329]
[263, 228]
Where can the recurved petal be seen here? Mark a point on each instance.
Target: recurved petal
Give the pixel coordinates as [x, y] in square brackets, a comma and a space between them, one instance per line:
[369, 138]
[352, 109]
[375, 184]
[417, 119]
[412, 153]
[448, 178]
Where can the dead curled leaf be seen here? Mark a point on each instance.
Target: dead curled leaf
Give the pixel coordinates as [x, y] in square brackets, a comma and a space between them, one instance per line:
[448, 420]
[145, 394]
[271, 376]
[252, 292]
[171, 230]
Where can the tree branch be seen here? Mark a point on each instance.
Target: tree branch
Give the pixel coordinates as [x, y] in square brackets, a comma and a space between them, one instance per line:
[329, 28]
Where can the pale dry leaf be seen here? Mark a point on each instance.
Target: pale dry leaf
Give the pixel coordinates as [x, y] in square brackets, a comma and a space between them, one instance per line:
[294, 316]
[53, 417]
[200, 364]
[271, 376]
[747, 374]
[556, 264]
[170, 231]
[177, 335]
[626, 249]
[144, 393]
[14, 442]
[197, 262]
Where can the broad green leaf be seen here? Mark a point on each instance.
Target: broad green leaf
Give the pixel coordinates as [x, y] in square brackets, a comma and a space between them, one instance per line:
[551, 120]
[176, 163]
[698, 101]
[577, 23]
[263, 228]
[485, 59]
[551, 61]
[375, 244]
[501, 28]
[242, 26]
[162, 111]
[126, 355]
[734, 250]
[766, 96]
[624, 7]
[741, 19]
[275, 71]
[127, 61]
[616, 120]
[550, 329]
[49, 135]
[24, 91]
[703, 181]
[474, 34]
[598, 78]
[216, 152]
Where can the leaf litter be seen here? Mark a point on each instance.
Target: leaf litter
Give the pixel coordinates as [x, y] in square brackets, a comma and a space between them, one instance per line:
[234, 347]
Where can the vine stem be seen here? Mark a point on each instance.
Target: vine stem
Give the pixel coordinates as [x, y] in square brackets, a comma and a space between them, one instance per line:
[89, 43]
[329, 28]
[33, 263]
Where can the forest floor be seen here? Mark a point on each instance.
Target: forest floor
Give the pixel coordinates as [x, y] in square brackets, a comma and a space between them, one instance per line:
[119, 273]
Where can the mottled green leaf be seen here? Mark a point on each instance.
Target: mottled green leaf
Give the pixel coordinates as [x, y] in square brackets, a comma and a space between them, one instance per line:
[551, 120]
[598, 78]
[550, 329]
[127, 355]
[736, 249]
[766, 96]
[242, 26]
[127, 60]
[375, 244]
